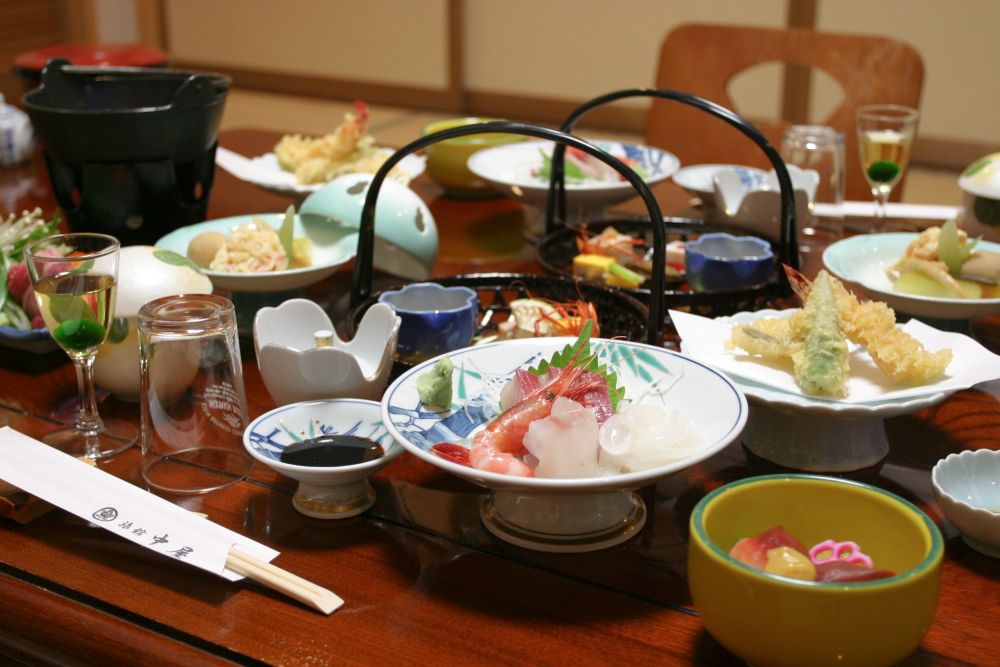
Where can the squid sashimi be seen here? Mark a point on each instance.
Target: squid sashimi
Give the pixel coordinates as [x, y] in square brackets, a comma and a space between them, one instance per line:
[565, 443]
[645, 436]
[568, 418]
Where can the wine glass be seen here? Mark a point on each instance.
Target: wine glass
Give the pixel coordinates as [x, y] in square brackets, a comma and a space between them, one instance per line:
[885, 137]
[74, 278]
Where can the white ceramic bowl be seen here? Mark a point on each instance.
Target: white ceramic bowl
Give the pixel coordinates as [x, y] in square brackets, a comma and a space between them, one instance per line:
[557, 514]
[323, 492]
[754, 204]
[862, 260]
[294, 369]
[510, 170]
[967, 488]
[332, 246]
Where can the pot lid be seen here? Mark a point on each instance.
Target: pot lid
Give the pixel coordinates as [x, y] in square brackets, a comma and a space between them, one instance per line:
[982, 177]
[118, 55]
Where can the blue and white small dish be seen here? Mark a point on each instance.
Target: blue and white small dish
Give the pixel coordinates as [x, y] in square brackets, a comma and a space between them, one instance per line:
[720, 261]
[435, 319]
[697, 179]
[967, 488]
[36, 341]
[323, 492]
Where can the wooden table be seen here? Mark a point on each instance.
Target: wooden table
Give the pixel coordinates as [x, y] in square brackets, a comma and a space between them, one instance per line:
[423, 580]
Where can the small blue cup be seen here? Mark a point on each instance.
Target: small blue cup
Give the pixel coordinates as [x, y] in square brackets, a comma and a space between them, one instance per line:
[434, 319]
[720, 261]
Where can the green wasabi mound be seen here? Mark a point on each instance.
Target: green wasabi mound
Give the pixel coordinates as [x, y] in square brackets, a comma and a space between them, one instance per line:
[434, 385]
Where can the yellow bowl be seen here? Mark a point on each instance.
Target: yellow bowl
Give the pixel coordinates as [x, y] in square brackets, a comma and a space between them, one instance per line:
[446, 160]
[772, 620]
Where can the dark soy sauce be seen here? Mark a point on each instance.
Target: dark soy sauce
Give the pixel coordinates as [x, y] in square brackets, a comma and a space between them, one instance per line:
[328, 451]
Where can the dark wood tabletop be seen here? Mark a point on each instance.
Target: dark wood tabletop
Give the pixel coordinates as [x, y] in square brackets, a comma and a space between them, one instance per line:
[422, 579]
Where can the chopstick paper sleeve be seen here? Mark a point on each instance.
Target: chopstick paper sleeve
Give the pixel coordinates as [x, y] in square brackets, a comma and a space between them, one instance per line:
[126, 510]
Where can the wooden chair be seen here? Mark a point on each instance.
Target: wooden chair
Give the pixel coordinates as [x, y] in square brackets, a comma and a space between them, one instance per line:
[703, 58]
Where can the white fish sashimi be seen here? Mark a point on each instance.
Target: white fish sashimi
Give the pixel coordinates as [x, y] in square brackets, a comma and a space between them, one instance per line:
[565, 443]
[644, 436]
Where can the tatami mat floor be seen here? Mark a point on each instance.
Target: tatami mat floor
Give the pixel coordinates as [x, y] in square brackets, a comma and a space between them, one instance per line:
[396, 126]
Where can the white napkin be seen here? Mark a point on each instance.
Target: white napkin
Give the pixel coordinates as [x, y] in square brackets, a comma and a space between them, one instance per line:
[705, 338]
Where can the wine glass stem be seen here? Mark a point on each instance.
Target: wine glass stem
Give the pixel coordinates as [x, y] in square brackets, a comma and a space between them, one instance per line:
[881, 196]
[88, 422]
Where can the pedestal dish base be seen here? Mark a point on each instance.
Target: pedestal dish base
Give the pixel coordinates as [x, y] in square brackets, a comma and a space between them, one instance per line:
[563, 523]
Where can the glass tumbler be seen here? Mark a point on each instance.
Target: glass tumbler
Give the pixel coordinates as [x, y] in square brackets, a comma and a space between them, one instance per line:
[194, 407]
[821, 149]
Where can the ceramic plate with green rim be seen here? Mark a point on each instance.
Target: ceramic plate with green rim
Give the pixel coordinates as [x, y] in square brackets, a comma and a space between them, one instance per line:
[862, 261]
[332, 245]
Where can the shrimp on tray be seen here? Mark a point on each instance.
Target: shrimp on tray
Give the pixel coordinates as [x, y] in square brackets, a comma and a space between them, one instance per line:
[500, 446]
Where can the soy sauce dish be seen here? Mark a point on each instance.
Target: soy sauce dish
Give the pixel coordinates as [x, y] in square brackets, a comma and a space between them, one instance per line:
[330, 447]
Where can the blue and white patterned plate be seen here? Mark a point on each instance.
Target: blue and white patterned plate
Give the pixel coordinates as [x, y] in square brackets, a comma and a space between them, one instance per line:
[268, 435]
[36, 341]
[710, 402]
[512, 169]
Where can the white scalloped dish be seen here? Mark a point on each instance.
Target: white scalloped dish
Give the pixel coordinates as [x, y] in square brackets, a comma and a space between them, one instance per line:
[816, 434]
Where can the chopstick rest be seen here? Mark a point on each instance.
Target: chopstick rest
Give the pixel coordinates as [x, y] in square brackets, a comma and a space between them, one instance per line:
[148, 520]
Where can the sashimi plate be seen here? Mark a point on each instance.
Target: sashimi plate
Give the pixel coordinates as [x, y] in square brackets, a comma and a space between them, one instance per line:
[559, 514]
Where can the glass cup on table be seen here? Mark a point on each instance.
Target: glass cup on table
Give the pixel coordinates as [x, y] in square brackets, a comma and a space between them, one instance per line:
[821, 149]
[193, 402]
[885, 138]
[74, 278]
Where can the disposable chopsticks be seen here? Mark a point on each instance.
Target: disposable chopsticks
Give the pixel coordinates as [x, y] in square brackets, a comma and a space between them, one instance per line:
[283, 581]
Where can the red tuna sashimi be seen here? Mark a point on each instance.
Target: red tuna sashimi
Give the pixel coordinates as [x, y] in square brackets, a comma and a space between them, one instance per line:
[839, 571]
[753, 550]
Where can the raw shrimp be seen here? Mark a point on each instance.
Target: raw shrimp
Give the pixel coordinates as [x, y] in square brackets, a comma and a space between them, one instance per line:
[497, 447]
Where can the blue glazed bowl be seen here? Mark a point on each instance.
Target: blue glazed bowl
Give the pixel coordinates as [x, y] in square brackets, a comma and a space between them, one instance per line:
[720, 261]
[435, 319]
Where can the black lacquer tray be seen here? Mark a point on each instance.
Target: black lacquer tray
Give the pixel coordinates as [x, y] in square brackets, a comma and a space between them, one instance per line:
[557, 248]
[619, 315]
[555, 253]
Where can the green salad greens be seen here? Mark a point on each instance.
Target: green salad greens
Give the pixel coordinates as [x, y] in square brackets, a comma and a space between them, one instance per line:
[15, 233]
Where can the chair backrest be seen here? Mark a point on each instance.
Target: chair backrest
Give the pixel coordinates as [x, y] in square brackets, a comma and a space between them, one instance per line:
[703, 58]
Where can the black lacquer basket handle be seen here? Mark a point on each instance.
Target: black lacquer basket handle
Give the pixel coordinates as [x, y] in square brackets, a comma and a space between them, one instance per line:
[555, 212]
[361, 284]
